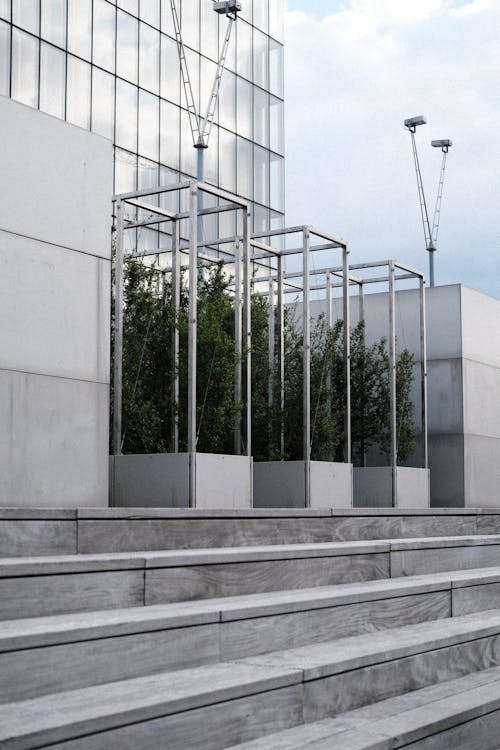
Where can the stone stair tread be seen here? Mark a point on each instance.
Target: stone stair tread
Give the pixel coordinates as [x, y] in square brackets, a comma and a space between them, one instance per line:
[33, 632]
[394, 722]
[63, 715]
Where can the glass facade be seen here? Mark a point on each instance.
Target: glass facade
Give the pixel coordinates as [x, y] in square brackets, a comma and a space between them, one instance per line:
[113, 68]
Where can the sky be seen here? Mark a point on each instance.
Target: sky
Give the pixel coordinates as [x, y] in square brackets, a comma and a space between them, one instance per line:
[354, 71]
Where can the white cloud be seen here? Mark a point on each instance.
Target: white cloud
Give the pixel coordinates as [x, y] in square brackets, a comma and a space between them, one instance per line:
[351, 80]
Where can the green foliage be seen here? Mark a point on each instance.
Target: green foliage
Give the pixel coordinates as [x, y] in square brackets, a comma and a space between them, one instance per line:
[148, 371]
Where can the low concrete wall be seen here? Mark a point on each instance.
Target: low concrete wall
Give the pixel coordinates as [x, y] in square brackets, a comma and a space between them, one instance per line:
[56, 186]
[282, 484]
[373, 487]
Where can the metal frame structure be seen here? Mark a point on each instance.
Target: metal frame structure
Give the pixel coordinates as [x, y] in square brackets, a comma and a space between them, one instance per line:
[236, 248]
[282, 283]
[392, 277]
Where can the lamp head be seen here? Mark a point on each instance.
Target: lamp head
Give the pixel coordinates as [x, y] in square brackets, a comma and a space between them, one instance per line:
[413, 122]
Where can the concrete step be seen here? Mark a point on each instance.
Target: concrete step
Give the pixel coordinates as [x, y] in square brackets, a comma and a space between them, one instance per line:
[61, 652]
[32, 531]
[37, 586]
[463, 714]
[223, 704]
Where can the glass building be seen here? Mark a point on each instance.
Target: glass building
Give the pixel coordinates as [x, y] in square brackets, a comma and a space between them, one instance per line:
[113, 68]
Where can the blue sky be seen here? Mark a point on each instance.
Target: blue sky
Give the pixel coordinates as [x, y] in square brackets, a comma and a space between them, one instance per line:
[354, 70]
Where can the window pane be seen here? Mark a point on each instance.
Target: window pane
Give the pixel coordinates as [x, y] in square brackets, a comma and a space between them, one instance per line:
[277, 183]
[261, 117]
[193, 63]
[148, 125]
[210, 158]
[25, 13]
[261, 175]
[24, 68]
[190, 23]
[244, 108]
[150, 12]
[208, 72]
[261, 15]
[4, 58]
[210, 35]
[227, 101]
[244, 168]
[276, 68]
[78, 92]
[80, 27]
[126, 115]
[188, 152]
[5, 9]
[103, 100]
[227, 160]
[276, 125]
[125, 172]
[169, 134]
[52, 80]
[149, 58]
[244, 55]
[170, 71]
[167, 24]
[260, 59]
[276, 16]
[128, 5]
[127, 42]
[104, 35]
[54, 21]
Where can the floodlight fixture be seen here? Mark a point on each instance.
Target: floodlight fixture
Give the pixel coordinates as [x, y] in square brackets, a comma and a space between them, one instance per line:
[444, 144]
[413, 122]
[227, 7]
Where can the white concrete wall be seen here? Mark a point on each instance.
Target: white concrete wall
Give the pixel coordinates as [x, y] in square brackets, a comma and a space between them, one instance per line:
[55, 187]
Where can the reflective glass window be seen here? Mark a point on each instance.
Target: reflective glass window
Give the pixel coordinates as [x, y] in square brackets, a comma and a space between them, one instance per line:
[244, 108]
[127, 44]
[147, 176]
[246, 11]
[52, 80]
[149, 118]
[210, 157]
[53, 21]
[261, 15]
[277, 179]
[170, 200]
[169, 134]
[244, 168]
[103, 103]
[131, 6]
[126, 115]
[125, 172]
[210, 34]
[104, 35]
[149, 58]
[227, 160]
[261, 117]
[24, 68]
[188, 152]
[208, 70]
[4, 58]
[80, 27]
[193, 63]
[260, 59]
[5, 9]
[190, 23]
[276, 17]
[26, 13]
[227, 101]
[166, 21]
[261, 219]
[170, 71]
[244, 45]
[78, 92]
[261, 175]
[275, 68]
[276, 125]
[231, 50]
[150, 12]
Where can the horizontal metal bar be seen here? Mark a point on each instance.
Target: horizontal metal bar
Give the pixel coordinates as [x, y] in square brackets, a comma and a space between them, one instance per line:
[206, 188]
[154, 191]
[328, 237]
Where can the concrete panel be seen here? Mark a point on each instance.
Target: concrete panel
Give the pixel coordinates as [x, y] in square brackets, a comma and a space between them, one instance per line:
[53, 442]
[482, 471]
[480, 327]
[445, 396]
[57, 303]
[162, 480]
[46, 537]
[331, 484]
[282, 484]
[446, 463]
[481, 388]
[373, 487]
[64, 196]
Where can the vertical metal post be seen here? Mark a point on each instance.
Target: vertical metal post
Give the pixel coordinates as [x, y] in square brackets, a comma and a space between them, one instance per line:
[361, 302]
[238, 347]
[431, 267]
[200, 176]
[329, 320]
[423, 374]
[306, 360]
[192, 338]
[118, 338]
[270, 354]
[176, 299]
[247, 301]
[347, 352]
[281, 352]
[329, 300]
[392, 381]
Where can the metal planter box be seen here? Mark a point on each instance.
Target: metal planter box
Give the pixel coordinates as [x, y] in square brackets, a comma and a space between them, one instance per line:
[376, 487]
[301, 484]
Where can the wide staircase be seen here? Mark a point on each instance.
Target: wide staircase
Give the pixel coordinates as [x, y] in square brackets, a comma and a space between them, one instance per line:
[283, 630]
